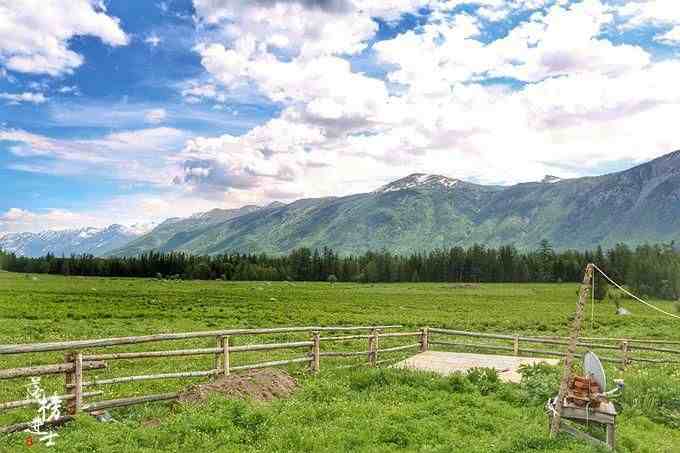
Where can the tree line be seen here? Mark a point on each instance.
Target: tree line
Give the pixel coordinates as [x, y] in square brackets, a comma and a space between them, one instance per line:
[652, 270]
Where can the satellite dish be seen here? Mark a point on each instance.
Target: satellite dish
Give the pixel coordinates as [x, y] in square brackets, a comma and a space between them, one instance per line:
[593, 367]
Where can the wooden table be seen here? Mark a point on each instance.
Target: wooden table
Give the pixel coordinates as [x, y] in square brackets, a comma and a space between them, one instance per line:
[605, 415]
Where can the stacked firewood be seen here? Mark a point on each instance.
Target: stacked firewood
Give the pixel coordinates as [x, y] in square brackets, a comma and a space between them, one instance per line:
[584, 391]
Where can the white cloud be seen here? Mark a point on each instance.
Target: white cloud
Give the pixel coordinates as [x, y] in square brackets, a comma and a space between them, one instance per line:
[564, 41]
[671, 37]
[153, 40]
[69, 89]
[579, 102]
[440, 119]
[142, 155]
[35, 34]
[194, 92]
[654, 12]
[155, 116]
[271, 155]
[18, 98]
[21, 220]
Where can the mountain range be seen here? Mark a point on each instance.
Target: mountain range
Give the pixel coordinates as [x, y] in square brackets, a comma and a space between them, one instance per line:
[421, 212]
[94, 241]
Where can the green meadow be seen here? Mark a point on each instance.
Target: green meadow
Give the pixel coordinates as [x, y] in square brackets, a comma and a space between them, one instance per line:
[339, 409]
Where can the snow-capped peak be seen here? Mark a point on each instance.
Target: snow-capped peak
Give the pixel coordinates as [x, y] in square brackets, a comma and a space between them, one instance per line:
[419, 180]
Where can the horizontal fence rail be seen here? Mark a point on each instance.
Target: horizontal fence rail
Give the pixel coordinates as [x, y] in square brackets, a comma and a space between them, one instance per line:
[362, 345]
[80, 357]
[624, 347]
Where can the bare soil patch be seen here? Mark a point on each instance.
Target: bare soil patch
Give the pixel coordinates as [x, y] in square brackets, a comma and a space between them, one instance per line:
[266, 384]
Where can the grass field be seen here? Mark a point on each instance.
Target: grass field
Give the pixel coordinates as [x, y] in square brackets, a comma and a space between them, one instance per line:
[337, 410]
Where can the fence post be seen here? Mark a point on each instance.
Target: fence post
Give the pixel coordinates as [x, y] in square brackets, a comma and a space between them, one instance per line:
[515, 346]
[73, 382]
[224, 345]
[625, 354]
[315, 364]
[68, 382]
[373, 347]
[424, 340]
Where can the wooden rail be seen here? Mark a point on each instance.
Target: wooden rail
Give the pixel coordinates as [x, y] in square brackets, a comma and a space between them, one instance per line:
[77, 363]
[625, 346]
[378, 342]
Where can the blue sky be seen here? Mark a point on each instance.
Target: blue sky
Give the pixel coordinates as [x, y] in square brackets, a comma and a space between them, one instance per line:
[132, 112]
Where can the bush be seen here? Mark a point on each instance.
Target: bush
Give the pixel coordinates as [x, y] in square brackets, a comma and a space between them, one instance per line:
[332, 279]
[485, 379]
[539, 383]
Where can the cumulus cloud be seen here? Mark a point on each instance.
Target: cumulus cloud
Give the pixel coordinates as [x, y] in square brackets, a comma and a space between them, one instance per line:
[555, 94]
[18, 98]
[273, 154]
[445, 114]
[35, 34]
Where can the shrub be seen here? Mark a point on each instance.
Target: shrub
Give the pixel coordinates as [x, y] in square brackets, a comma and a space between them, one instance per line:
[539, 383]
[485, 379]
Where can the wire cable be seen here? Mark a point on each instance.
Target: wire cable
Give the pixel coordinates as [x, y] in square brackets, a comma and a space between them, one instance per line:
[633, 295]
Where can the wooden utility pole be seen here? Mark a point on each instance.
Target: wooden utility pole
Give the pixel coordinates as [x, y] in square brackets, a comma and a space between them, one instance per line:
[571, 349]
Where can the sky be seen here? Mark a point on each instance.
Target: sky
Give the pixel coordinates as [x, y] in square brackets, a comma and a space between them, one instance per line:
[133, 111]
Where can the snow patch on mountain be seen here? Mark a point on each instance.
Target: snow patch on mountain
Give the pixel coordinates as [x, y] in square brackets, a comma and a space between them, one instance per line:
[418, 180]
[95, 241]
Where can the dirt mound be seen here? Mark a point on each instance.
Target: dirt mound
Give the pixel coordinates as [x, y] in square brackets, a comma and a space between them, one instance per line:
[263, 385]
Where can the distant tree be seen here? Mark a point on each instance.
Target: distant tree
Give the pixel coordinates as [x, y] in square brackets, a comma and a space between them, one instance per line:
[546, 258]
[601, 289]
[332, 279]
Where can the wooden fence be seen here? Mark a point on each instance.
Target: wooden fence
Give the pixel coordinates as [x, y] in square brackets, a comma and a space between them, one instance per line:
[621, 351]
[79, 360]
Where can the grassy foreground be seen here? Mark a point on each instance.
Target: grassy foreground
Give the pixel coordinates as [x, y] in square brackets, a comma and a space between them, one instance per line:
[338, 410]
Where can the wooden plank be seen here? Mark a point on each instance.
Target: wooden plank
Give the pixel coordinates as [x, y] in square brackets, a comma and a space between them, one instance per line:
[316, 352]
[152, 354]
[400, 334]
[33, 402]
[346, 338]
[271, 364]
[611, 436]
[77, 382]
[105, 342]
[197, 351]
[122, 402]
[343, 353]
[47, 369]
[399, 348]
[564, 427]
[147, 377]
[373, 347]
[589, 415]
[26, 425]
[617, 340]
[424, 339]
[463, 333]
[226, 361]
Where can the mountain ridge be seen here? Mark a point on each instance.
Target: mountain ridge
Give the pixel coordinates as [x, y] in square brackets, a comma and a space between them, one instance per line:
[420, 212]
[87, 240]
[424, 211]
